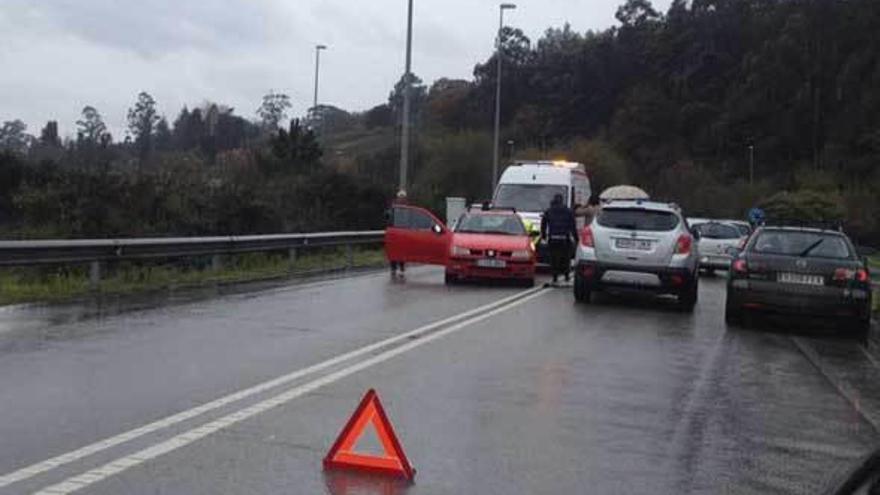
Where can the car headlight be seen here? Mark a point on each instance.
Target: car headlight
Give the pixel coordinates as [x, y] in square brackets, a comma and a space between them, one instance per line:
[459, 251]
[523, 254]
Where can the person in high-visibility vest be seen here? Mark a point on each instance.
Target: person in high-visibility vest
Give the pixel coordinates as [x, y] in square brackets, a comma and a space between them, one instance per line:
[533, 231]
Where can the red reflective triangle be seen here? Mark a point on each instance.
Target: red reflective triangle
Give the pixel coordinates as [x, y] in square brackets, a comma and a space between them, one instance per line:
[341, 455]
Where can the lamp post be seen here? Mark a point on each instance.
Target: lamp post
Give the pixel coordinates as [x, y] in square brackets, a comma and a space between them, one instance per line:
[318, 49]
[404, 135]
[501, 9]
[751, 164]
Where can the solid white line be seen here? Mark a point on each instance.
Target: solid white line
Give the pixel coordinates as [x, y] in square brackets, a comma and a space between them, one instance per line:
[81, 481]
[107, 443]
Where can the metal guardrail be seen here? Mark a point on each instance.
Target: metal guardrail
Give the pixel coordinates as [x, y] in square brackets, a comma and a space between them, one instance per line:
[97, 251]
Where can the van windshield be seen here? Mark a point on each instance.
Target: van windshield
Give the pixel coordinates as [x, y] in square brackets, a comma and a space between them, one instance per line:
[527, 197]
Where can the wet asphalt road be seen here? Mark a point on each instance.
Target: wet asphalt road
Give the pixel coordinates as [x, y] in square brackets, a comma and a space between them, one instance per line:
[541, 396]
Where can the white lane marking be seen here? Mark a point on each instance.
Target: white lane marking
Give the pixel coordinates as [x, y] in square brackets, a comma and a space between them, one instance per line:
[107, 443]
[81, 481]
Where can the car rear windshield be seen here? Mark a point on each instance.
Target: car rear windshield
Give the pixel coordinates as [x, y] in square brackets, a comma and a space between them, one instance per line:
[637, 219]
[490, 224]
[718, 231]
[744, 229]
[804, 244]
[527, 197]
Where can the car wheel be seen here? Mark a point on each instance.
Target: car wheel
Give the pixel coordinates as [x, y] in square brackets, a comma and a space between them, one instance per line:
[527, 282]
[581, 293]
[687, 300]
[861, 328]
[450, 279]
[733, 314]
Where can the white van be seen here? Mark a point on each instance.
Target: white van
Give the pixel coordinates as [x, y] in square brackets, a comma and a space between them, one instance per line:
[529, 187]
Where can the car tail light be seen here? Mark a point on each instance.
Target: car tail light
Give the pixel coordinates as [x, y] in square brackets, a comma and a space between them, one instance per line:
[860, 275]
[587, 238]
[683, 246]
[740, 266]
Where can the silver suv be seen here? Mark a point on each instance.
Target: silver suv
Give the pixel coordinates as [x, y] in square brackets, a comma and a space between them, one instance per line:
[638, 245]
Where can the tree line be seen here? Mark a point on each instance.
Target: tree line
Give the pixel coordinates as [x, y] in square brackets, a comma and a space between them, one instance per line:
[209, 171]
[680, 103]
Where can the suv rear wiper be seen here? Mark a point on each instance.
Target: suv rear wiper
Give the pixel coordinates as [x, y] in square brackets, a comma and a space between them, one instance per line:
[810, 249]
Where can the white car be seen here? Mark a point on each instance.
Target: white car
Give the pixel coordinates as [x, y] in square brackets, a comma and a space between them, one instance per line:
[638, 245]
[717, 238]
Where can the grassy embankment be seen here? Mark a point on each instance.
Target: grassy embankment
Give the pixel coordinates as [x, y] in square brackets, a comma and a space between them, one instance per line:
[59, 283]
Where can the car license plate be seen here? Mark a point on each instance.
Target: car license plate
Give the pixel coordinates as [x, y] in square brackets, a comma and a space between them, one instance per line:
[636, 244]
[801, 279]
[490, 263]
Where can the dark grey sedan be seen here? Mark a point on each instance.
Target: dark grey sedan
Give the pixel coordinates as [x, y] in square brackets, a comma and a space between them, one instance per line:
[802, 271]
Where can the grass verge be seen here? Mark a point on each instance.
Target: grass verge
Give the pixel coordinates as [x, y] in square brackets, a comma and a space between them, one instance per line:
[59, 283]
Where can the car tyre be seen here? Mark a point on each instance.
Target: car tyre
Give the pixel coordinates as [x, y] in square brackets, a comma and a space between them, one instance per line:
[450, 279]
[581, 293]
[527, 282]
[687, 300]
[861, 328]
[733, 315]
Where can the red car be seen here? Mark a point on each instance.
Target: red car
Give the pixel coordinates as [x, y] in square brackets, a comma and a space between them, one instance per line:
[486, 244]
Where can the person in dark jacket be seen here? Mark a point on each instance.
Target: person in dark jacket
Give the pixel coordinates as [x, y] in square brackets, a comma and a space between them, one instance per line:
[559, 230]
[399, 200]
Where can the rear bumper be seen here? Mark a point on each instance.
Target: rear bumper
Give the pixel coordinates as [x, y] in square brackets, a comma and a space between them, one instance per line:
[668, 280]
[715, 262]
[824, 301]
[466, 268]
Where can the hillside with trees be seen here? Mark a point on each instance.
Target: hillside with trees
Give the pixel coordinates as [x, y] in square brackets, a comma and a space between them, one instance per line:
[677, 102]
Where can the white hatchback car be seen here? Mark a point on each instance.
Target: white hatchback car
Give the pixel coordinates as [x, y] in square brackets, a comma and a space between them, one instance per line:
[717, 238]
[638, 245]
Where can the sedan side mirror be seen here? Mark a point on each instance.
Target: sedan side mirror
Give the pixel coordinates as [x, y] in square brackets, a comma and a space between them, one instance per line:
[437, 229]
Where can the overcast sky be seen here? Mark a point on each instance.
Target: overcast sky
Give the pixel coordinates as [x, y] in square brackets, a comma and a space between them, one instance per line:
[60, 55]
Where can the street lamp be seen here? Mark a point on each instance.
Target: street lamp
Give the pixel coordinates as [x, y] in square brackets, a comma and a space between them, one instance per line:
[751, 164]
[318, 49]
[404, 134]
[501, 9]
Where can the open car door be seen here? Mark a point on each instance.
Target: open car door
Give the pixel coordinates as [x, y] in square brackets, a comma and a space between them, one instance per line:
[415, 235]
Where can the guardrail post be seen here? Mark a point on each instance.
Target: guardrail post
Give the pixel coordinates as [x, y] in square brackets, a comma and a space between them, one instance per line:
[349, 257]
[291, 258]
[94, 274]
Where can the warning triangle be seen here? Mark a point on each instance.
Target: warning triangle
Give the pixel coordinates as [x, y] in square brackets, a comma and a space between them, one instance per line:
[369, 413]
